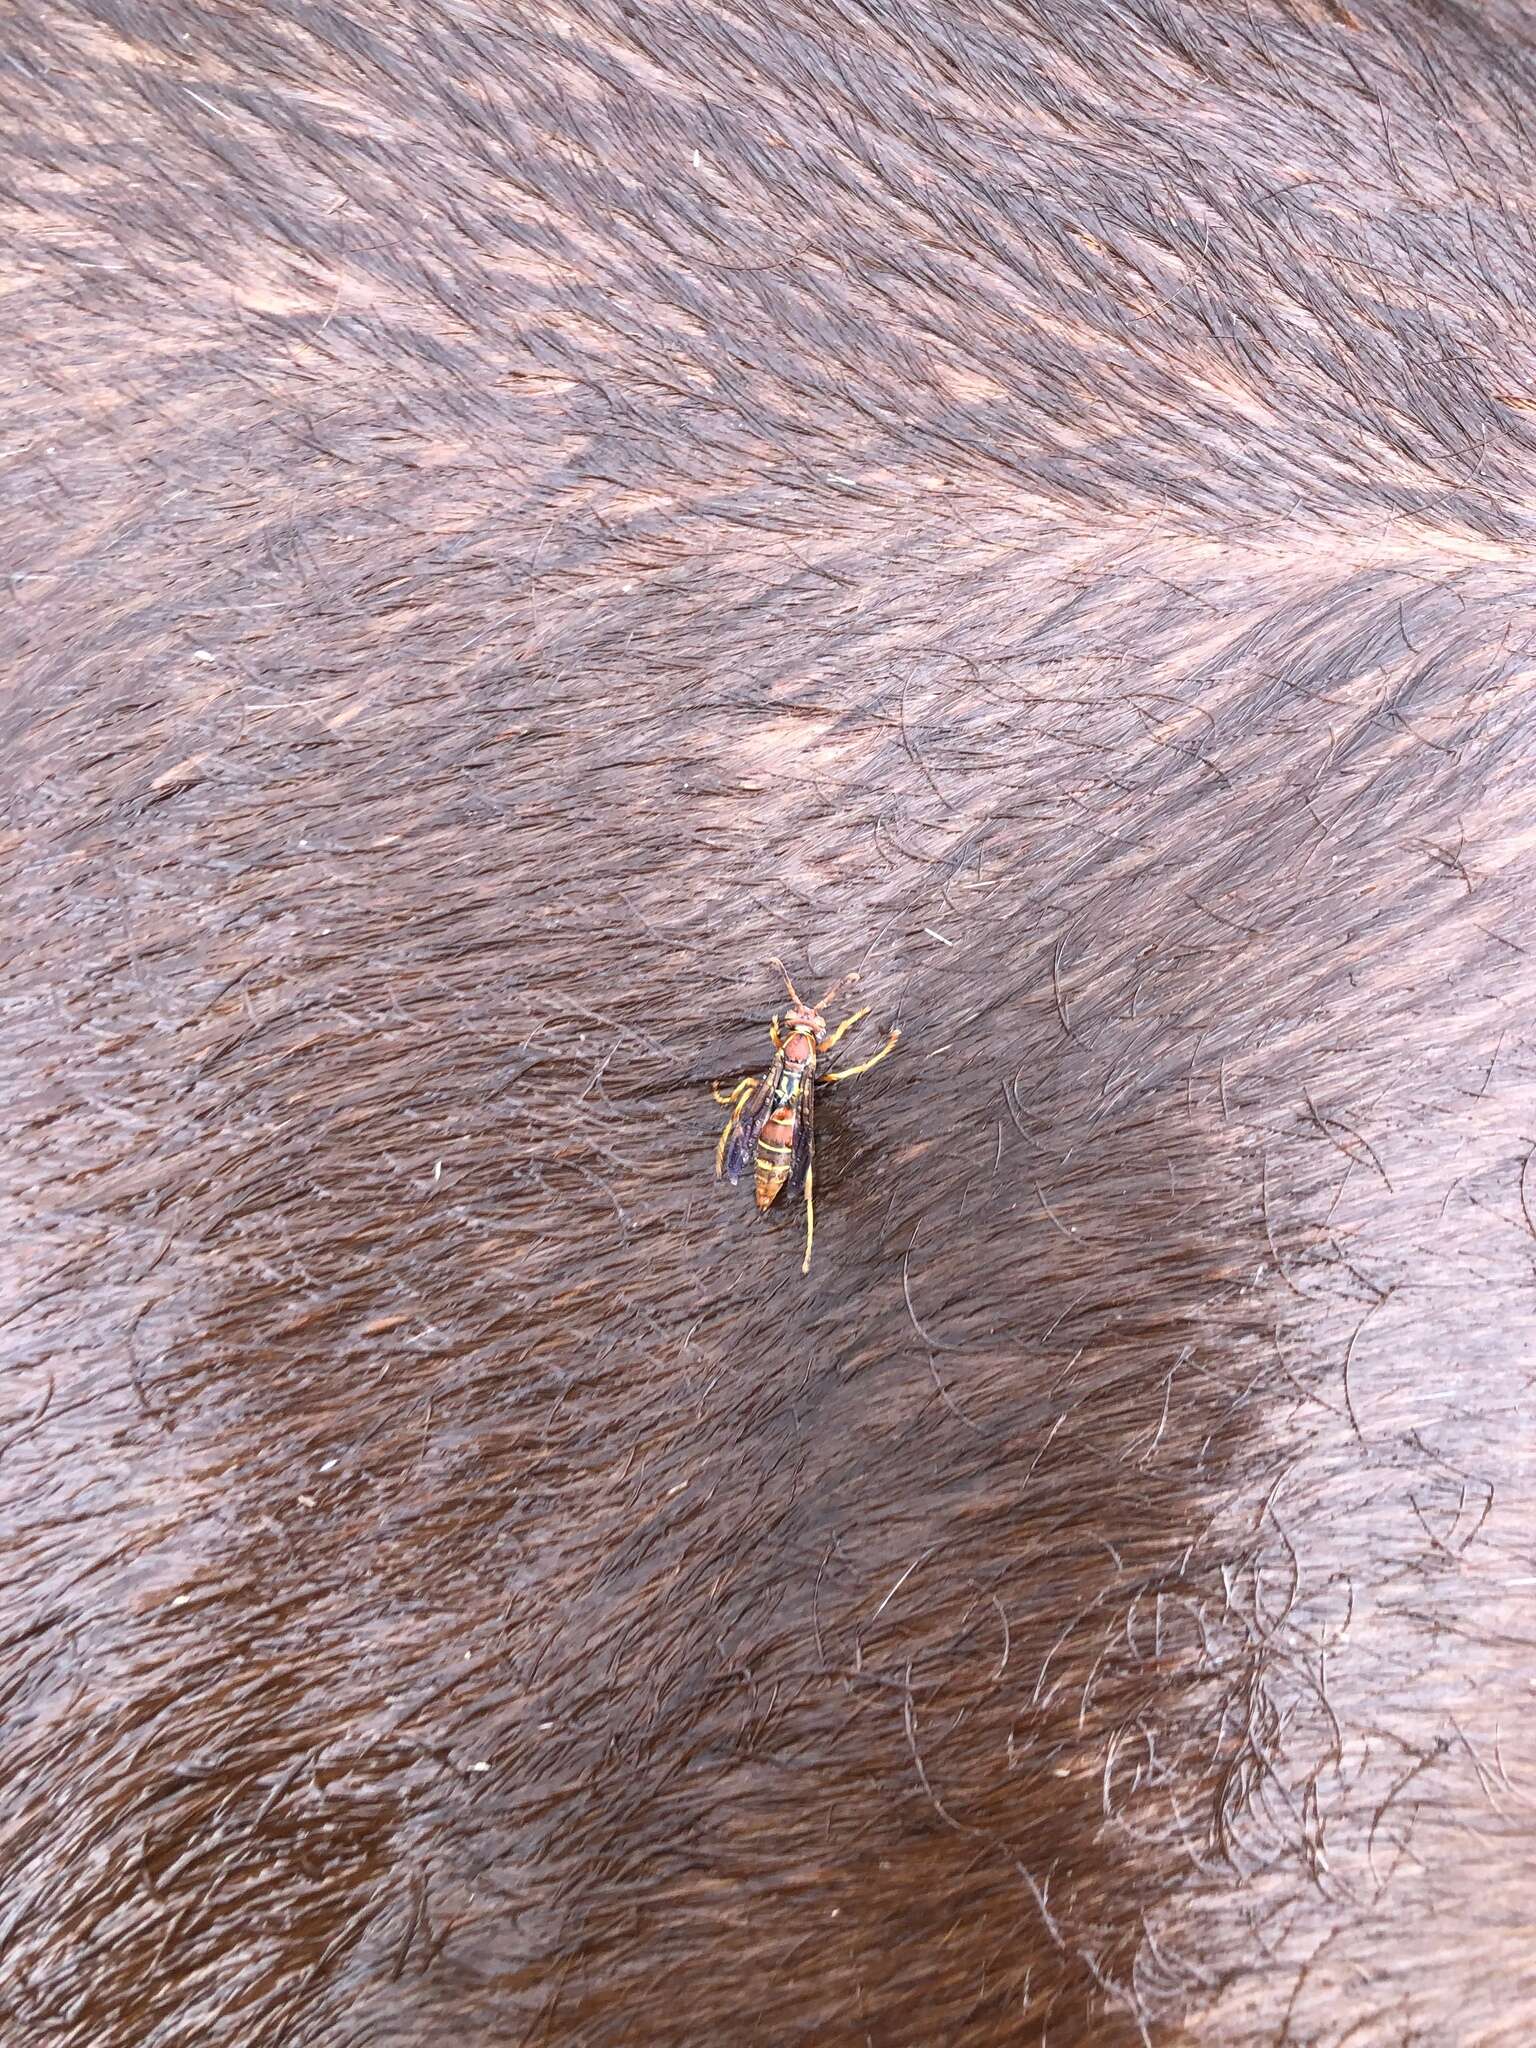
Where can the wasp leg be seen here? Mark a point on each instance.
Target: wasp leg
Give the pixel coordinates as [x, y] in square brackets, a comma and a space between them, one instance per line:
[773, 1033]
[847, 1073]
[748, 1082]
[738, 1102]
[725, 1138]
[810, 1217]
[843, 1029]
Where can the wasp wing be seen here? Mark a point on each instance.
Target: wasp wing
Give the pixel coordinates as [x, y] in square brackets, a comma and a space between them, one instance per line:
[805, 1138]
[743, 1139]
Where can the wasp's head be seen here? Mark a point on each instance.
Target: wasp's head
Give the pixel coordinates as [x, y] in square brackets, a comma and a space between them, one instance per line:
[808, 1017]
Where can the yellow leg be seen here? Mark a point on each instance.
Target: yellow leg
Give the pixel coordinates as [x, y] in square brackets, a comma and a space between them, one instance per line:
[846, 1026]
[773, 1033]
[810, 1217]
[847, 1073]
[737, 1100]
[743, 1087]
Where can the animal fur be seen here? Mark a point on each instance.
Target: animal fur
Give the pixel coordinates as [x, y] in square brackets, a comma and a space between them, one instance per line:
[515, 515]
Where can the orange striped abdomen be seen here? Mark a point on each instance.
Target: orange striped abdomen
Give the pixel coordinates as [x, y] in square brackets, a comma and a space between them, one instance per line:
[775, 1152]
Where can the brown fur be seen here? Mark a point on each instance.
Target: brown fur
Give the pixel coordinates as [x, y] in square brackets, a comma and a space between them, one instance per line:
[514, 516]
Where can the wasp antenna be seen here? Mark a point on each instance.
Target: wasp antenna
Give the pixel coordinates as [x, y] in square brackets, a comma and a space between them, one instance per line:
[843, 981]
[793, 996]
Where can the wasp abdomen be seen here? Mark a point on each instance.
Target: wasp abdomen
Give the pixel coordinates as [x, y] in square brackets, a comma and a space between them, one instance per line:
[775, 1152]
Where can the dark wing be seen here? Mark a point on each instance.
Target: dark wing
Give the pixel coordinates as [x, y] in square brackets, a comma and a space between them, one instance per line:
[805, 1137]
[738, 1153]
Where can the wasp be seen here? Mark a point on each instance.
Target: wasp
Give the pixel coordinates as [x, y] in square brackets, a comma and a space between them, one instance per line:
[772, 1122]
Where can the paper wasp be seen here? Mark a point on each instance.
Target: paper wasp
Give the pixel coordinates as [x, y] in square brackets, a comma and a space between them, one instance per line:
[772, 1122]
